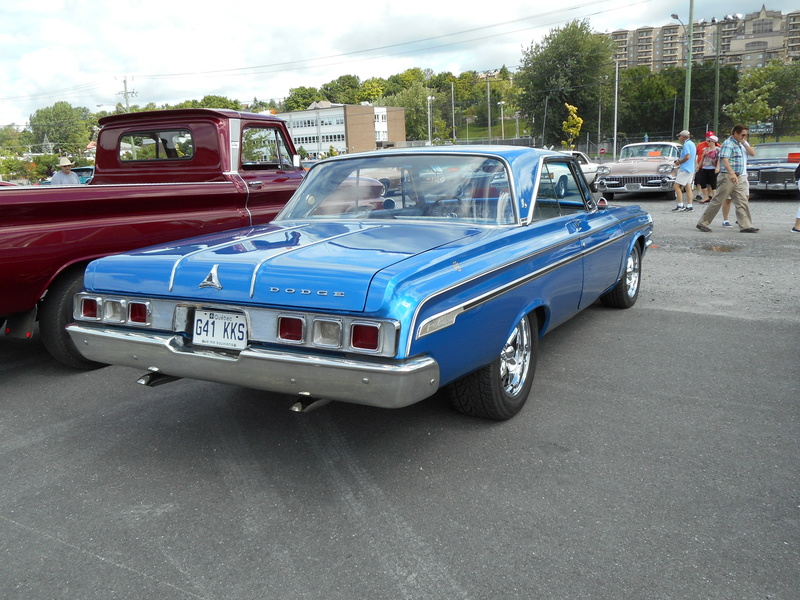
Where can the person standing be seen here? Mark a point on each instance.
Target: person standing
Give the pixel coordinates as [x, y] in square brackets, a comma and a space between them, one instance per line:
[65, 176]
[706, 178]
[731, 183]
[685, 177]
[726, 206]
[700, 149]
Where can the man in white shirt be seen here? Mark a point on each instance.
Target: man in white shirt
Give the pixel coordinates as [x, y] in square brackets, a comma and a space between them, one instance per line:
[65, 176]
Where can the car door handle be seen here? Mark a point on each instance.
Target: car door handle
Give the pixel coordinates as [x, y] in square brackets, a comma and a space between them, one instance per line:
[575, 226]
[255, 184]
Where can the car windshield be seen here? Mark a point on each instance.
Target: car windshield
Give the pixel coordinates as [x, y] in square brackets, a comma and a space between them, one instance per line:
[649, 150]
[466, 188]
[780, 152]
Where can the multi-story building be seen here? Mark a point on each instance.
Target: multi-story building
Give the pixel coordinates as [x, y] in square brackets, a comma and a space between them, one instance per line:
[742, 42]
[345, 127]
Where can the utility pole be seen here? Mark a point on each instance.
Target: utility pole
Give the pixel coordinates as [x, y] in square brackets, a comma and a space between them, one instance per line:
[125, 93]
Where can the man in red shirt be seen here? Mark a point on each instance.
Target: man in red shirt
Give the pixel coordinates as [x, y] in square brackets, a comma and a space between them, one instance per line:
[700, 148]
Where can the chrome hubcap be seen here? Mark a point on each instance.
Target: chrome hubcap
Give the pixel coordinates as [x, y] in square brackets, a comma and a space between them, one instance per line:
[515, 358]
[632, 274]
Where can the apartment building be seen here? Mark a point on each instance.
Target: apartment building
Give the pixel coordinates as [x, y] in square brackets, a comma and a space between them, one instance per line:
[346, 128]
[742, 41]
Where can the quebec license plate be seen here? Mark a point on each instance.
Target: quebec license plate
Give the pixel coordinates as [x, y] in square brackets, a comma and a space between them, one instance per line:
[633, 187]
[220, 329]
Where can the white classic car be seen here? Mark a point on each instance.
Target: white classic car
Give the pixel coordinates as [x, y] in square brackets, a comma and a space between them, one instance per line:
[588, 167]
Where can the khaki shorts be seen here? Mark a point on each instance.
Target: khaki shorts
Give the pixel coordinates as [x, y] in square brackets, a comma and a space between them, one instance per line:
[684, 178]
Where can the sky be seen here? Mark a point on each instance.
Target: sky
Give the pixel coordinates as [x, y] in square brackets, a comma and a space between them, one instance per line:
[86, 52]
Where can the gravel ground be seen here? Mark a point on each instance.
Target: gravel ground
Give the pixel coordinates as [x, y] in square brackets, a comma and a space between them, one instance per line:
[755, 276]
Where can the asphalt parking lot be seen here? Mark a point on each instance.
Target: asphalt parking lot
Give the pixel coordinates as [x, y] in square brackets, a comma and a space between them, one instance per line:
[658, 458]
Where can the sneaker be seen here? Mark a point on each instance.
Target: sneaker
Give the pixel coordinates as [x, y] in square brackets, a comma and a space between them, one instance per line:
[679, 208]
[726, 224]
[689, 208]
[795, 229]
[703, 228]
[749, 230]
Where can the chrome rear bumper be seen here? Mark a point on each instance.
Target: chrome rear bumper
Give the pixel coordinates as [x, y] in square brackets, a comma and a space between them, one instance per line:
[383, 383]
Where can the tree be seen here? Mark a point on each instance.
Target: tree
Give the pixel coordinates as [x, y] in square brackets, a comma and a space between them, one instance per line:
[343, 90]
[300, 98]
[647, 102]
[10, 143]
[64, 127]
[752, 99]
[768, 94]
[415, 101]
[372, 89]
[565, 68]
[572, 127]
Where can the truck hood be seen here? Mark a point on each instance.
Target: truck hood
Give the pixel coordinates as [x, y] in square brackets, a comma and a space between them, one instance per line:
[312, 266]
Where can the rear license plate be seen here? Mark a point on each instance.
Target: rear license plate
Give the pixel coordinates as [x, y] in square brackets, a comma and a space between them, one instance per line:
[220, 329]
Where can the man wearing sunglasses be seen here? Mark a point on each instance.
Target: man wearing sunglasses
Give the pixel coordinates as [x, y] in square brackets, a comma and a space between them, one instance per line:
[731, 183]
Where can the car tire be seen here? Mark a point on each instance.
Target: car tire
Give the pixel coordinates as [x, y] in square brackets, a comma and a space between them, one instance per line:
[626, 291]
[54, 315]
[608, 196]
[671, 195]
[499, 390]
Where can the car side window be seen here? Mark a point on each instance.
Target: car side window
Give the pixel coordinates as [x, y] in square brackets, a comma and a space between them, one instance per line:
[265, 148]
[559, 192]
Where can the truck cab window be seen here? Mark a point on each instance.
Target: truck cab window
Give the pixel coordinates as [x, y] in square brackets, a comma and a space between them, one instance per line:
[156, 145]
[265, 147]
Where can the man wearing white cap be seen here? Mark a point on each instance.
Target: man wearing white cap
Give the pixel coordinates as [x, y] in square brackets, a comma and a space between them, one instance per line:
[65, 176]
[687, 163]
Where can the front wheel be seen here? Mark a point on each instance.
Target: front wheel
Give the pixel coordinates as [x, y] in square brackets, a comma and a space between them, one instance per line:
[54, 316]
[499, 390]
[625, 293]
[608, 196]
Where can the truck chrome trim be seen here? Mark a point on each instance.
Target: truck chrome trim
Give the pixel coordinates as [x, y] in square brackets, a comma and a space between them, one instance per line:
[382, 383]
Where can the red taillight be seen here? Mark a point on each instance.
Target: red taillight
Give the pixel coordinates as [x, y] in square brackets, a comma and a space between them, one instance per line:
[89, 308]
[137, 312]
[290, 329]
[365, 337]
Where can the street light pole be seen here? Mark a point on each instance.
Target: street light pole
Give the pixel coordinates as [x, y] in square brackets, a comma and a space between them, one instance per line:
[430, 139]
[502, 124]
[687, 91]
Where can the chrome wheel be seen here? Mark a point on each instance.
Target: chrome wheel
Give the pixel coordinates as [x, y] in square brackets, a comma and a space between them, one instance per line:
[632, 273]
[499, 391]
[515, 358]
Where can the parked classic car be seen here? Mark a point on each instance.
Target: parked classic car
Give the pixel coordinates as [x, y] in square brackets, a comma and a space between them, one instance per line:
[644, 167]
[354, 296]
[772, 168]
[588, 166]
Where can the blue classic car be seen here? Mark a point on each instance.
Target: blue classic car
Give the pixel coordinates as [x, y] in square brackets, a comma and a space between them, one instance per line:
[355, 295]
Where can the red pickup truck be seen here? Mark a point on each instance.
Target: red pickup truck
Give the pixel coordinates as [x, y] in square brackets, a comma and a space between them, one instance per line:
[159, 176]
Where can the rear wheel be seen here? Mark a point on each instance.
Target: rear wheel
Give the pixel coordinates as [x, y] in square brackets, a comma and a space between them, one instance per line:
[55, 314]
[499, 391]
[625, 293]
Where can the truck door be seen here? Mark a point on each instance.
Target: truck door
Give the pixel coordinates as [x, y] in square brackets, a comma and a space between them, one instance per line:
[267, 168]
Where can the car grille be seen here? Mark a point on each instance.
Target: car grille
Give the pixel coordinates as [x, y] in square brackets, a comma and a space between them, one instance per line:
[776, 177]
[644, 180]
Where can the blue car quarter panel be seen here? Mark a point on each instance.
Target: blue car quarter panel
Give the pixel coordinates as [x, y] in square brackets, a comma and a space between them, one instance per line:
[388, 275]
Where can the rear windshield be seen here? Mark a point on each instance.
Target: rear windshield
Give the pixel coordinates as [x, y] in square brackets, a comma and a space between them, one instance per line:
[156, 145]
